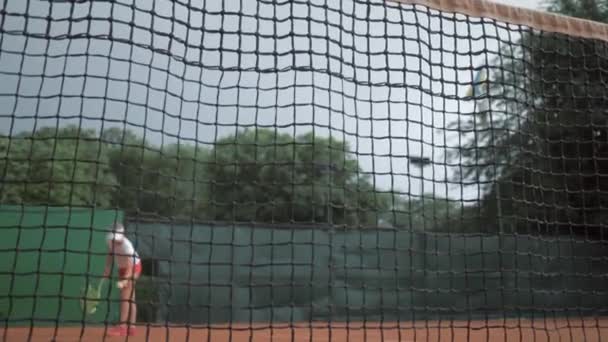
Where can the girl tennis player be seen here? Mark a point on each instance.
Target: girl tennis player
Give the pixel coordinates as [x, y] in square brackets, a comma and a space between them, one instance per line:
[121, 250]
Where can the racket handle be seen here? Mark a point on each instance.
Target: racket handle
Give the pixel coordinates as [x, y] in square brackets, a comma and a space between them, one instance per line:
[101, 282]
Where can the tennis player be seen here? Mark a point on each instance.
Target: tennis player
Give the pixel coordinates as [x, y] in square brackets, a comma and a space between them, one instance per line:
[121, 250]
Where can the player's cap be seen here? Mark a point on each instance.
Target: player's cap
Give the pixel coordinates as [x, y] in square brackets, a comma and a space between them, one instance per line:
[117, 232]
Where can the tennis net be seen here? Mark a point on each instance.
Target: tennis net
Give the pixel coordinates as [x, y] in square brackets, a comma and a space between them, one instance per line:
[316, 169]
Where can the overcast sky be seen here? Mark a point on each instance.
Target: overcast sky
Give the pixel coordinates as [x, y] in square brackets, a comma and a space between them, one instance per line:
[387, 80]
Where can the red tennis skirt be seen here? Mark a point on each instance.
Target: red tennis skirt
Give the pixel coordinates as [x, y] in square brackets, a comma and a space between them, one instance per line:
[122, 272]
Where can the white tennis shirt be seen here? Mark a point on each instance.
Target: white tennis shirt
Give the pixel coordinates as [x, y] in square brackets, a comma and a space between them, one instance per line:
[123, 252]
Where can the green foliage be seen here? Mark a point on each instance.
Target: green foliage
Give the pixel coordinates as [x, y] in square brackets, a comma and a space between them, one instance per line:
[596, 10]
[263, 176]
[167, 181]
[545, 141]
[40, 168]
[256, 175]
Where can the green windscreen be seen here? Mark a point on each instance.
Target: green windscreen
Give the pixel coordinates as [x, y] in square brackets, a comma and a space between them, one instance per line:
[48, 256]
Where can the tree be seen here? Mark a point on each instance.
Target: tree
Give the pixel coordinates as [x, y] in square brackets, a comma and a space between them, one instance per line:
[168, 181]
[253, 176]
[264, 176]
[64, 167]
[545, 140]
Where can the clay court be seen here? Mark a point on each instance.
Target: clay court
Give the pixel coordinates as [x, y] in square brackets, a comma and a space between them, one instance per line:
[456, 331]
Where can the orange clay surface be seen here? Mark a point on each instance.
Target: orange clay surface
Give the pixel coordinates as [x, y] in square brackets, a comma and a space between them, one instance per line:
[539, 330]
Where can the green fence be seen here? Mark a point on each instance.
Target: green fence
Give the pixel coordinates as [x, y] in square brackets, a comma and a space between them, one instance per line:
[213, 274]
[47, 255]
[247, 274]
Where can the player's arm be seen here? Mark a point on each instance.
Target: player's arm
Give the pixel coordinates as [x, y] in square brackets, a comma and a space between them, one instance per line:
[108, 267]
[126, 277]
[129, 270]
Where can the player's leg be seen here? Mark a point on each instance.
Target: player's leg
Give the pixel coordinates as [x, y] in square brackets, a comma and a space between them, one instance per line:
[125, 304]
[128, 310]
[126, 293]
[133, 305]
[133, 313]
[124, 328]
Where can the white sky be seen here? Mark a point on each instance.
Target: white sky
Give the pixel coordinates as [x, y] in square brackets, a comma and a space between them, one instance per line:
[208, 93]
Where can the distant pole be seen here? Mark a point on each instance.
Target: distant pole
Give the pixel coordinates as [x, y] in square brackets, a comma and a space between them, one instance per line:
[421, 162]
[499, 207]
[328, 169]
[479, 92]
[486, 106]
[330, 211]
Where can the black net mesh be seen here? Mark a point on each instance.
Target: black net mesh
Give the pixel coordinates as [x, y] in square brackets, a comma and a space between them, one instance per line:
[298, 171]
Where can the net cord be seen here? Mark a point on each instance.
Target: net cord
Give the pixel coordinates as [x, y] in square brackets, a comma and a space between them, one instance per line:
[512, 15]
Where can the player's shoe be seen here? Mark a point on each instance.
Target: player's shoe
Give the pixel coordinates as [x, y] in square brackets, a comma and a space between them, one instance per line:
[122, 330]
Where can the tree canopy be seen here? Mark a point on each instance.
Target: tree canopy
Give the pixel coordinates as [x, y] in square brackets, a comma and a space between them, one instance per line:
[544, 144]
[41, 169]
[253, 176]
[260, 175]
[541, 151]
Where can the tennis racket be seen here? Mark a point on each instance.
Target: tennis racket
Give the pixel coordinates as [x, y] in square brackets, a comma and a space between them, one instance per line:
[92, 298]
